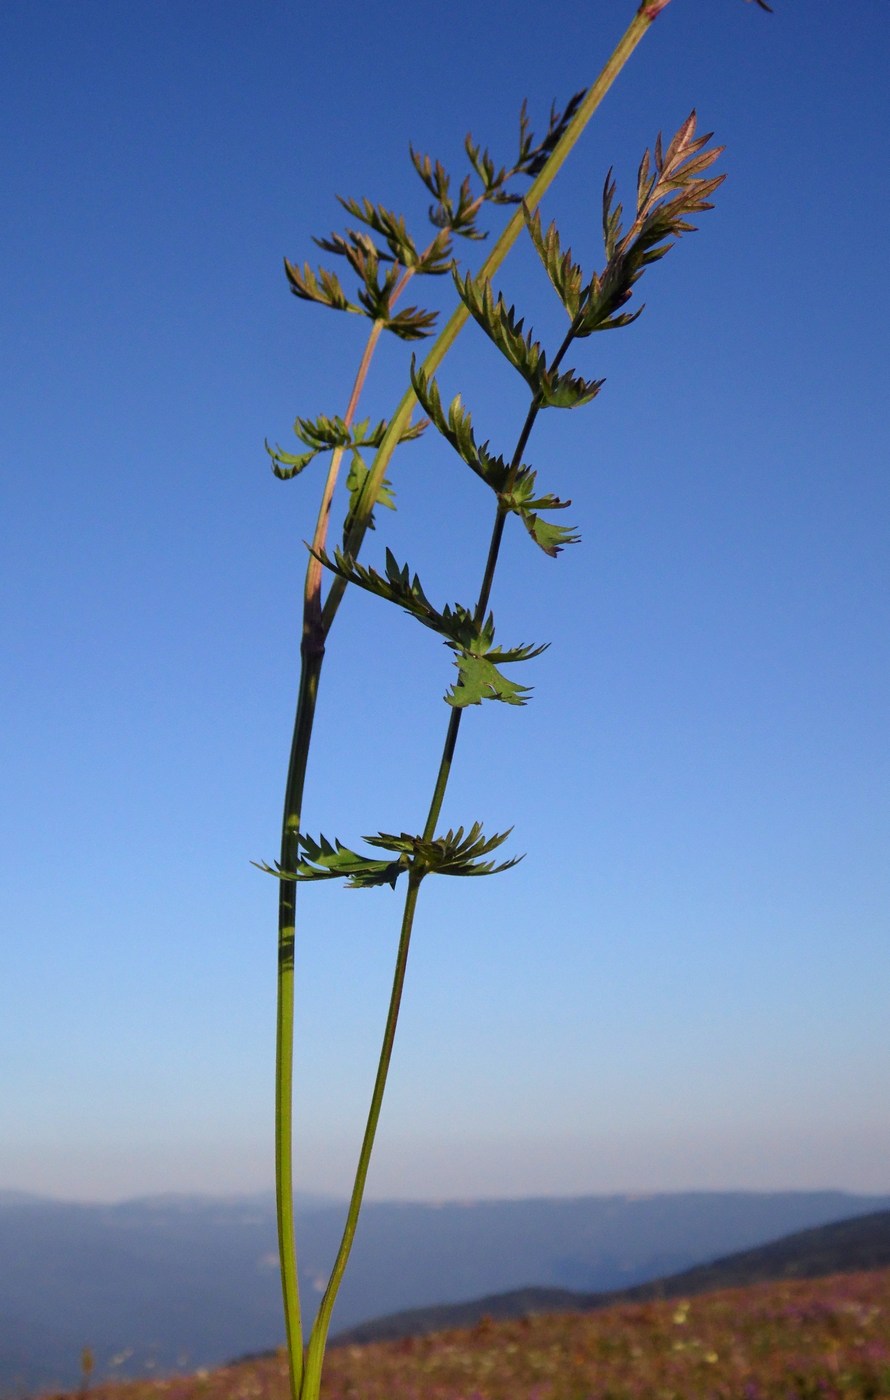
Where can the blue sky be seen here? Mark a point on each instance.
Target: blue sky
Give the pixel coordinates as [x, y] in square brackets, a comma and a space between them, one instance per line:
[685, 983]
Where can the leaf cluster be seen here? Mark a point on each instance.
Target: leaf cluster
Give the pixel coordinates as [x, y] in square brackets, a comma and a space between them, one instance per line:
[460, 216]
[380, 265]
[325, 435]
[455, 853]
[671, 186]
[471, 639]
[549, 387]
[330, 434]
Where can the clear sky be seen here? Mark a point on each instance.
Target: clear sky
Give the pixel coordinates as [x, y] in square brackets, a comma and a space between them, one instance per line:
[685, 983]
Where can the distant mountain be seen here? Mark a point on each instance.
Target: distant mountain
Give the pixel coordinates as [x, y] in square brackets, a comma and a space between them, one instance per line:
[176, 1283]
[846, 1246]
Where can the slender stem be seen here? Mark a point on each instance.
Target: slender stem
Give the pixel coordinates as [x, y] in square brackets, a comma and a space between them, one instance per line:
[312, 592]
[284, 1037]
[318, 1339]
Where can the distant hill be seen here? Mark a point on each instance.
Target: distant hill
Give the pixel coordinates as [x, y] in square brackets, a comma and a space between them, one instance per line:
[166, 1284]
[846, 1246]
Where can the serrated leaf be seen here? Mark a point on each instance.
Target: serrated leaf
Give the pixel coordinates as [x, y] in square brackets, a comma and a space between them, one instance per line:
[286, 465]
[671, 185]
[324, 861]
[506, 331]
[390, 226]
[533, 158]
[320, 433]
[523, 501]
[412, 323]
[452, 854]
[395, 586]
[323, 287]
[565, 275]
[472, 641]
[479, 679]
[327, 434]
[457, 429]
[356, 481]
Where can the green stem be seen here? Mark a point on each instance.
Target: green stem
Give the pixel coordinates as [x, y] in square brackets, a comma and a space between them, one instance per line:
[318, 1339]
[284, 1037]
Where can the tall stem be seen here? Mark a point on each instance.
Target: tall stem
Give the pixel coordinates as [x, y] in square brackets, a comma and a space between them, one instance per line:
[311, 661]
[284, 1037]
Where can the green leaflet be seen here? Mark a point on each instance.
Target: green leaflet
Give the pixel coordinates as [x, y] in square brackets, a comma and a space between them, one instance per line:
[325, 435]
[324, 861]
[552, 389]
[375, 293]
[524, 503]
[391, 228]
[531, 158]
[323, 287]
[451, 854]
[356, 481]
[479, 679]
[457, 429]
[565, 275]
[459, 216]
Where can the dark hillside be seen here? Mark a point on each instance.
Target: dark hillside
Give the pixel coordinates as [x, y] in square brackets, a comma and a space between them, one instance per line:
[846, 1246]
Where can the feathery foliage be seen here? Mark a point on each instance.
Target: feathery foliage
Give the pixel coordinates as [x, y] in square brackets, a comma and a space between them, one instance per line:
[452, 854]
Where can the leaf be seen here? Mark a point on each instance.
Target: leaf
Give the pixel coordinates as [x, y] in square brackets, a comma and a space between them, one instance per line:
[533, 158]
[670, 187]
[324, 861]
[390, 226]
[365, 259]
[285, 464]
[500, 323]
[445, 214]
[451, 854]
[395, 586]
[479, 679]
[457, 429]
[323, 286]
[412, 323]
[472, 642]
[326, 434]
[523, 501]
[565, 275]
[356, 481]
